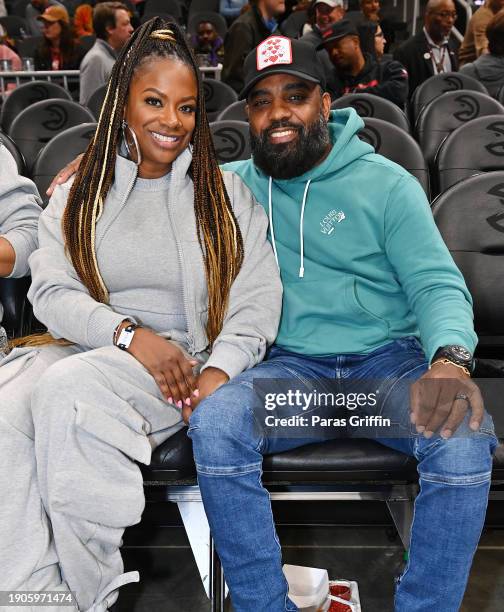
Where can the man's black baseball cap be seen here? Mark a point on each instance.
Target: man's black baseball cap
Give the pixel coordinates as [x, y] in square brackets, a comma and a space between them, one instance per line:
[278, 54]
[338, 30]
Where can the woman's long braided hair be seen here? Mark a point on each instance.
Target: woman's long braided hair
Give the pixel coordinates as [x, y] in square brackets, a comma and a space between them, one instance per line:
[218, 231]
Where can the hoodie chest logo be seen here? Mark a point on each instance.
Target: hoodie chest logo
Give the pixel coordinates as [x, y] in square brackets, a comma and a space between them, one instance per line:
[329, 222]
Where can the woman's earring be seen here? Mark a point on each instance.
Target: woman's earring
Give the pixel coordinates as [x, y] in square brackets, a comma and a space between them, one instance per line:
[128, 131]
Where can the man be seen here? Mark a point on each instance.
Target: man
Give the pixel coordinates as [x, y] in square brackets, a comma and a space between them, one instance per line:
[370, 10]
[359, 72]
[326, 12]
[370, 292]
[489, 67]
[475, 41]
[33, 10]
[19, 213]
[207, 42]
[245, 34]
[433, 50]
[112, 26]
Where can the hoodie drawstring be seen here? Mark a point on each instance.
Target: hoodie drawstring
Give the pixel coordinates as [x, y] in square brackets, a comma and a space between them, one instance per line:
[301, 222]
[301, 238]
[272, 230]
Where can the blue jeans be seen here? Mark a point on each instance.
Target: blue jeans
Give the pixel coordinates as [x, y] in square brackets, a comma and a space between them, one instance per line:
[449, 510]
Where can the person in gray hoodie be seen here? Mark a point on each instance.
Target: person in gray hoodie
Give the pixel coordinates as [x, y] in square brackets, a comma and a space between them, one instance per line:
[19, 213]
[112, 26]
[489, 67]
[152, 250]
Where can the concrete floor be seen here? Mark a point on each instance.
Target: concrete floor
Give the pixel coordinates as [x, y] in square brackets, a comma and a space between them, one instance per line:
[370, 554]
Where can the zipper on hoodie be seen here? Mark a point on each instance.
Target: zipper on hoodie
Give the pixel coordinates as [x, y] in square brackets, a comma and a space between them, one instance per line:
[190, 332]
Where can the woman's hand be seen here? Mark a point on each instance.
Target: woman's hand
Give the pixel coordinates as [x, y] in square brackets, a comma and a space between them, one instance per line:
[170, 368]
[208, 382]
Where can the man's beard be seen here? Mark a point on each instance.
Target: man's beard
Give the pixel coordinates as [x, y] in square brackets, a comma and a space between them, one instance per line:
[290, 159]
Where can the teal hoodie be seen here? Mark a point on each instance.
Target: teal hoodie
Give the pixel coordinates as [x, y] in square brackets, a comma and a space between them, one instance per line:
[362, 262]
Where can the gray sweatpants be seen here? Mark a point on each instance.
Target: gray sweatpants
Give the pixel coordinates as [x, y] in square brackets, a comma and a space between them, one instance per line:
[73, 424]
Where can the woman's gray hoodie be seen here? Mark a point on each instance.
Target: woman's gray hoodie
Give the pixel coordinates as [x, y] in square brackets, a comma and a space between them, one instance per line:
[63, 304]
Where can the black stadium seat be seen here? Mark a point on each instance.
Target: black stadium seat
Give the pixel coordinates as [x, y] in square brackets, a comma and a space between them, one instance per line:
[397, 145]
[15, 305]
[26, 95]
[218, 96]
[440, 84]
[470, 217]
[96, 100]
[36, 125]
[10, 145]
[235, 111]
[58, 152]
[368, 105]
[14, 25]
[474, 147]
[231, 140]
[500, 95]
[446, 113]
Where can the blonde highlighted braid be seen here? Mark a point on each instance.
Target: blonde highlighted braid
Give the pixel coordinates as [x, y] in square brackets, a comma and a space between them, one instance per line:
[219, 235]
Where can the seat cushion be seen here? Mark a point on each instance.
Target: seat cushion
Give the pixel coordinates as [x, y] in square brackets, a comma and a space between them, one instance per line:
[332, 461]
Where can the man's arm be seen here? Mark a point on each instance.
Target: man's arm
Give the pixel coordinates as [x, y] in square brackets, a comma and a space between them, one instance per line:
[438, 296]
[19, 213]
[435, 288]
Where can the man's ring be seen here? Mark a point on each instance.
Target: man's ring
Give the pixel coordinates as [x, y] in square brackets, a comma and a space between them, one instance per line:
[462, 396]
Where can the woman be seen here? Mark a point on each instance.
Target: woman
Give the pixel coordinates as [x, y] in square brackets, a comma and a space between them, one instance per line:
[58, 49]
[372, 39]
[152, 250]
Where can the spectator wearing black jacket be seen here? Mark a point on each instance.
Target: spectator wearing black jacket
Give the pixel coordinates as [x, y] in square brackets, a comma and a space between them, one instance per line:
[360, 72]
[251, 28]
[434, 49]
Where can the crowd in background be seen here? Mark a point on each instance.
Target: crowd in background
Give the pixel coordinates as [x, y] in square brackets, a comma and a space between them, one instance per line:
[362, 46]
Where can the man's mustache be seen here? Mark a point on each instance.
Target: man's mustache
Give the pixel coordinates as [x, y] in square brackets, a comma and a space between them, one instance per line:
[280, 125]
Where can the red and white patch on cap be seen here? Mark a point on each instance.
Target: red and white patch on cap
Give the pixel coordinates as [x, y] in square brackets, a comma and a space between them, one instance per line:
[274, 50]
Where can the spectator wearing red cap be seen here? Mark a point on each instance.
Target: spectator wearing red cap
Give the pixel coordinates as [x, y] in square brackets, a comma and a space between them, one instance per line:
[58, 49]
[360, 72]
[34, 9]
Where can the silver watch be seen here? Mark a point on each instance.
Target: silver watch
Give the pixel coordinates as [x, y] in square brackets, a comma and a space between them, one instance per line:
[126, 336]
